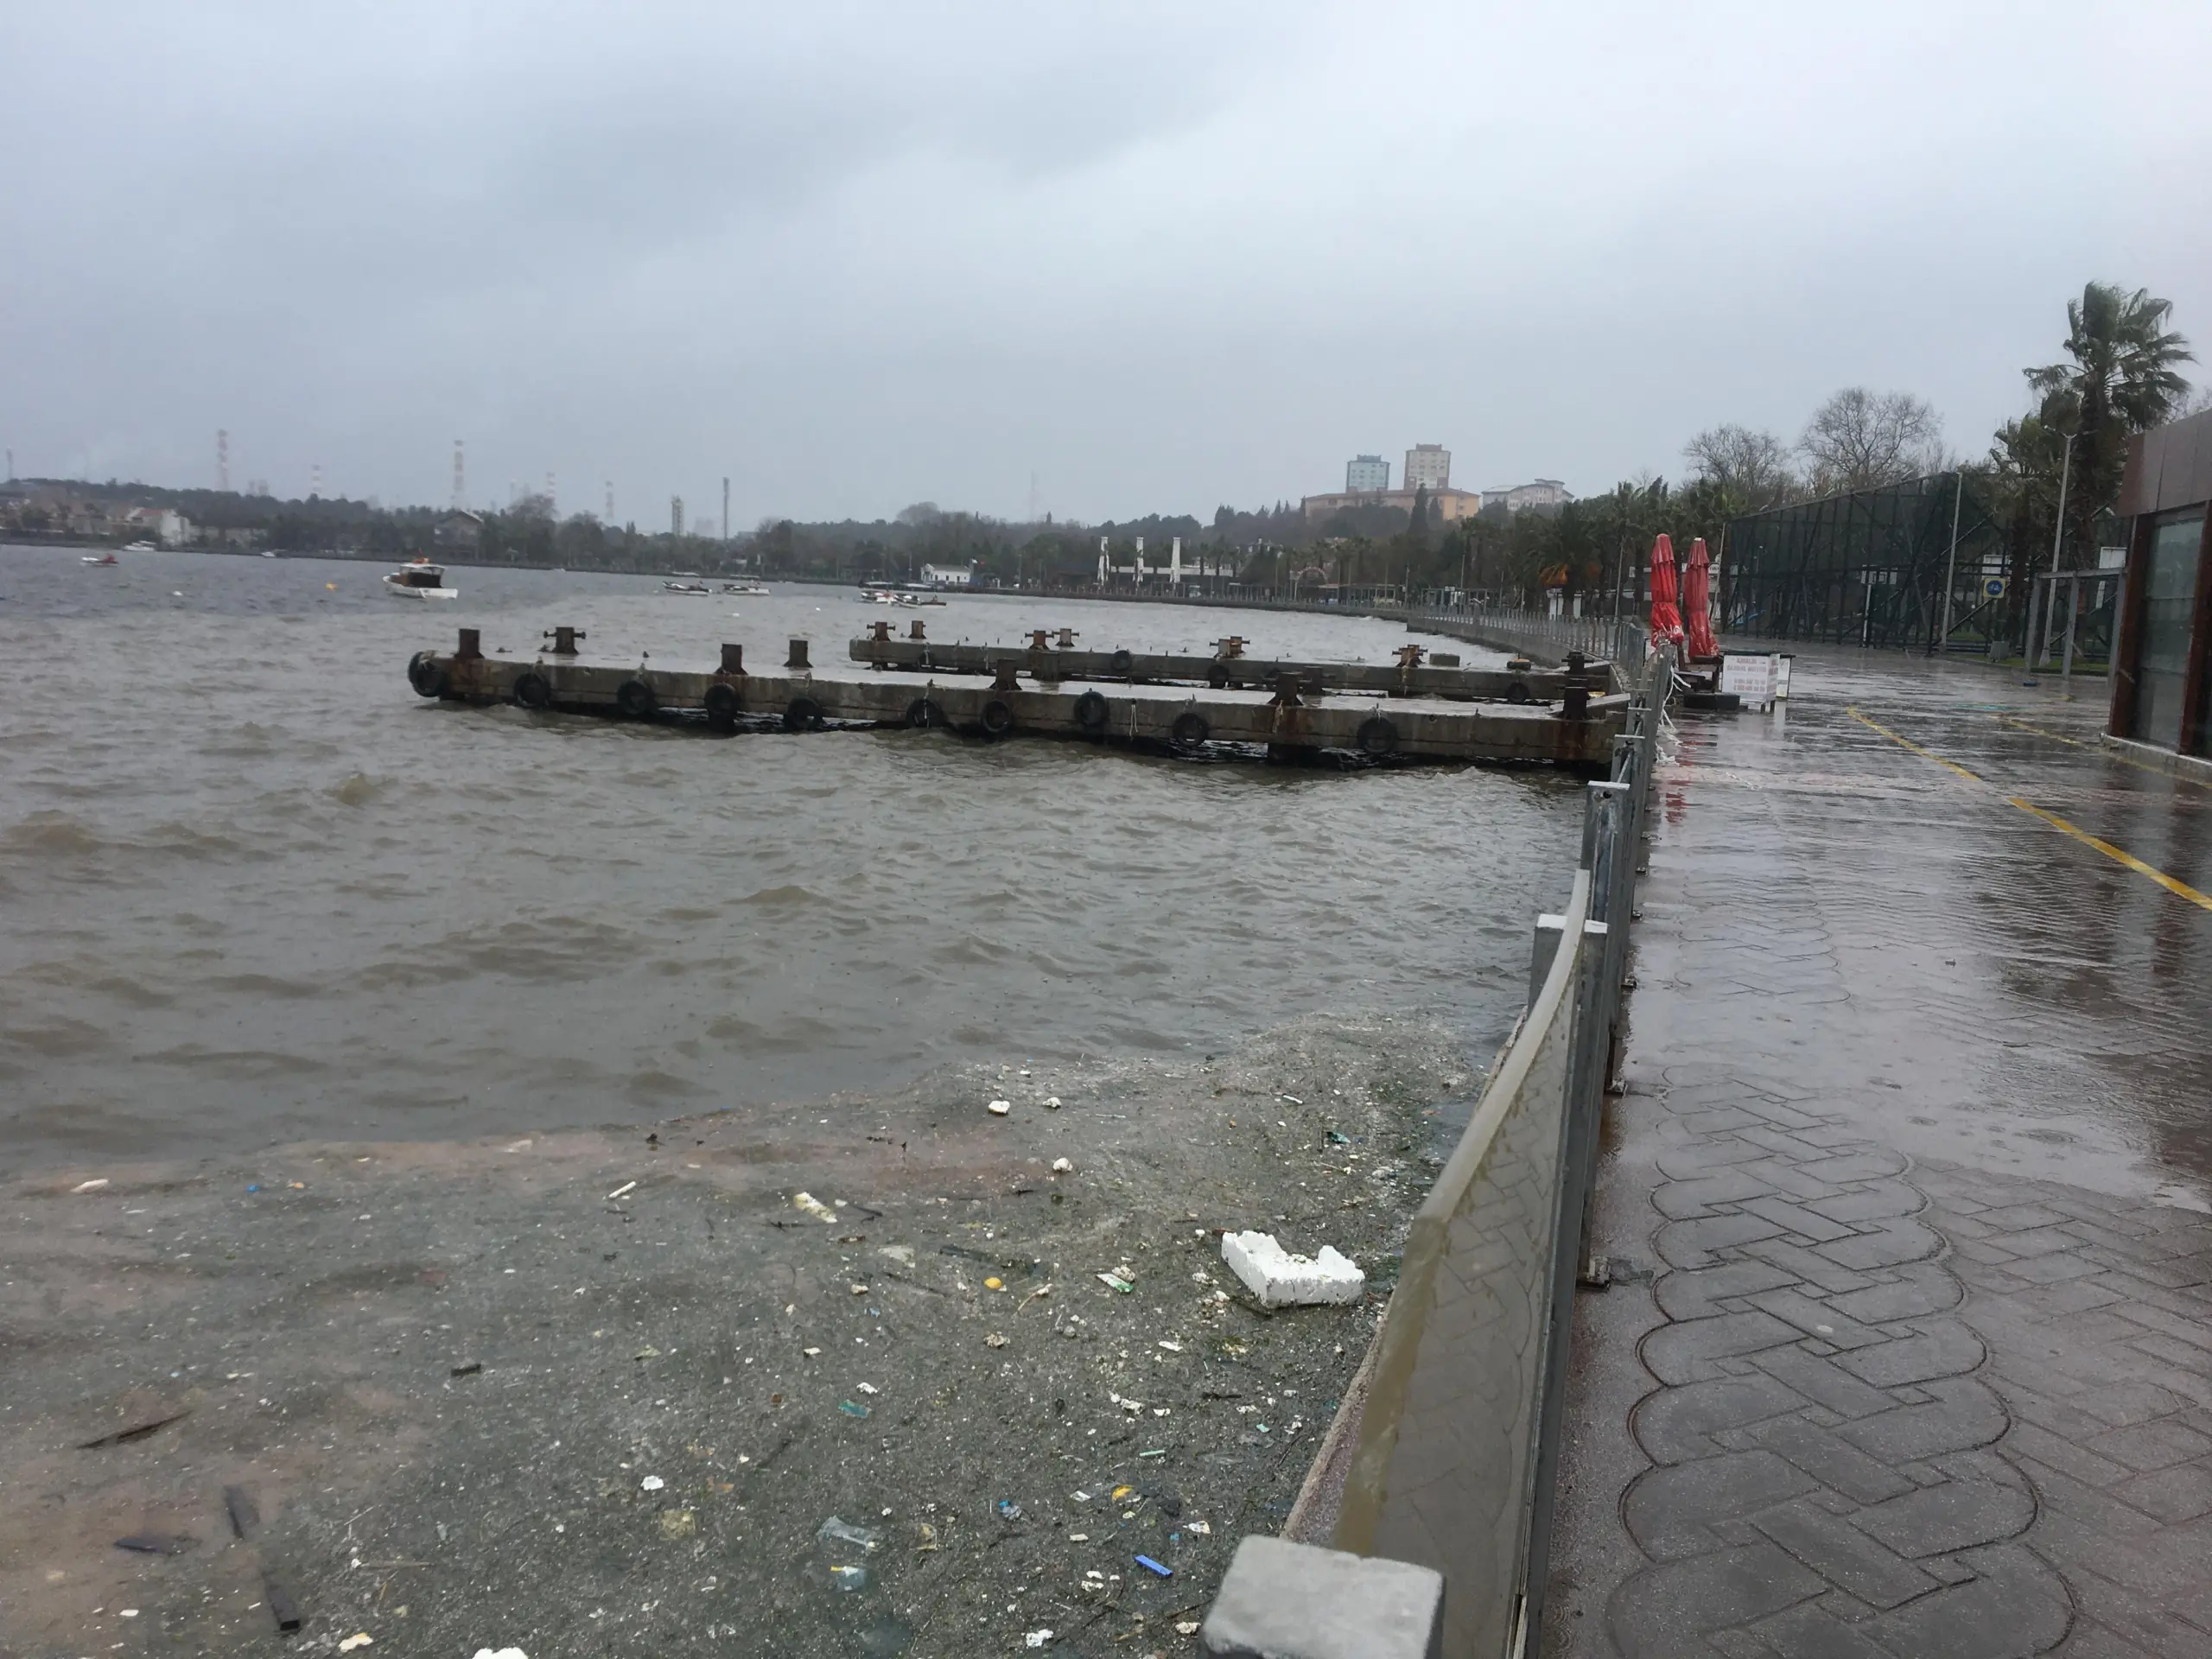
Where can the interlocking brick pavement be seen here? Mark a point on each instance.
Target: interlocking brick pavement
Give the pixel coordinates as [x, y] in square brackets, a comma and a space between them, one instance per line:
[1895, 1400]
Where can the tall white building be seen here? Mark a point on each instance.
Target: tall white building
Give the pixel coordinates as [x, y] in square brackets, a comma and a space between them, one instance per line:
[1365, 474]
[1428, 466]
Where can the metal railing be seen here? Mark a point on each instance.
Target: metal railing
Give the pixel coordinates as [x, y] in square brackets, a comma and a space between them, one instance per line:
[1458, 1444]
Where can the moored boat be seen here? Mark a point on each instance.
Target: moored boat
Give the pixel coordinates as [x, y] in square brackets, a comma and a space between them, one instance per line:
[419, 579]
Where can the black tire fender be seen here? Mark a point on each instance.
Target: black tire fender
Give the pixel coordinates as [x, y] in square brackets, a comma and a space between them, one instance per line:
[1121, 662]
[803, 715]
[1518, 692]
[533, 690]
[1217, 675]
[721, 704]
[1091, 712]
[923, 713]
[998, 717]
[1190, 729]
[425, 675]
[635, 699]
[1377, 736]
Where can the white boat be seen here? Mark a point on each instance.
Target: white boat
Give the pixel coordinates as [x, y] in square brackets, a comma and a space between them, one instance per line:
[688, 589]
[139, 547]
[754, 588]
[419, 579]
[97, 558]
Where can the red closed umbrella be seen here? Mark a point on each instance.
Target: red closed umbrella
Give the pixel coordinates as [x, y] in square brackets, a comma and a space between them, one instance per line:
[1666, 620]
[1697, 603]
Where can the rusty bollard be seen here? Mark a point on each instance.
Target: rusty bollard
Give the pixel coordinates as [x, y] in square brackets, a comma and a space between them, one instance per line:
[880, 632]
[798, 658]
[914, 631]
[732, 659]
[471, 648]
[564, 640]
[1002, 673]
[1066, 641]
[1576, 705]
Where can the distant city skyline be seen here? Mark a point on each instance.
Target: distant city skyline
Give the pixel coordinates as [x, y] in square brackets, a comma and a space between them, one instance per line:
[855, 268]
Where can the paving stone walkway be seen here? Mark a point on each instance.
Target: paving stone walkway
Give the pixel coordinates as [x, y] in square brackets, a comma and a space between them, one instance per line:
[1878, 1387]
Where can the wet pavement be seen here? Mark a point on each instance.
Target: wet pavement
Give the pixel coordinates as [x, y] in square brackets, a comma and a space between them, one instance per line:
[1910, 1347]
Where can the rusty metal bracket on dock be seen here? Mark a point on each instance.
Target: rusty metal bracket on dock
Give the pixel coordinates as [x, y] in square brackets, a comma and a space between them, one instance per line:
[471, 649]
[733, 661]
[1003, 675]
[1066, 641]
[564, 640]
[798, 658]
[914, 630]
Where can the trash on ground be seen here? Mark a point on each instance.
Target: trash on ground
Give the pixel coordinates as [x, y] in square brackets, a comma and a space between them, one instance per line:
[137, 1432]
[501, 1653]
[1000, 1108]
[867, 1387]
[678, 1523]
[924, 1537]
[652, 1483]
[813, 1206]
[852, 1409]
[835, 1530]
[470, 1370]
[284, 1607]
[1078, 1537]
[809, 1352]
[1186, 1627]
[1037, 1638]
[1204, 1529]
[1172, 1347]
[1113, 1283]
[848, 1578]
[1281, 1279]
[646, 1352]
[156, 1543]
[245, 1513]
[995, 1340]
[993, 1284]
[627, 1186]
[358, 1639]
[902, 1254]
[1151, 1565]
[1008, 1509]
[90, 1186]
[1063, 1165]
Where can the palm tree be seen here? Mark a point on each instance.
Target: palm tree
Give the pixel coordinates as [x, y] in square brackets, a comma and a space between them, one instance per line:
[2122, 378]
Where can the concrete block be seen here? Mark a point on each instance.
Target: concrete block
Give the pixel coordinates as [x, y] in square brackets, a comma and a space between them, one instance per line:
[1281, 1279]
[1280, 1600]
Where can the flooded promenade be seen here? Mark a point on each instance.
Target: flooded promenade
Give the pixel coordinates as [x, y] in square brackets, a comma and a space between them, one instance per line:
[407, 1109]
[1909, 1349]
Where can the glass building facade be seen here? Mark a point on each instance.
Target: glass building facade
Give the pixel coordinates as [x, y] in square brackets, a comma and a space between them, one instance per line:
[2162, 682]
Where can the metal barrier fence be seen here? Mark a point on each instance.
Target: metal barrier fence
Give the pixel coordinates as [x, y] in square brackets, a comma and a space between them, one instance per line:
[1459, 1446]
[1621, 640]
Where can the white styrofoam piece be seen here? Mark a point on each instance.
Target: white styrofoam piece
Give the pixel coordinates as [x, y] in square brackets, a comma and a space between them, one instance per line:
[1281, 1279]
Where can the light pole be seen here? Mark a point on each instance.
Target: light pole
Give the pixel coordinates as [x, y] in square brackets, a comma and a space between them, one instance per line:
[2057, 541]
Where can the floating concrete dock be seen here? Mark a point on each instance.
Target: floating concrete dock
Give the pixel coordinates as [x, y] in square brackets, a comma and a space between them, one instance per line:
[1051, 654]
[1289, 719]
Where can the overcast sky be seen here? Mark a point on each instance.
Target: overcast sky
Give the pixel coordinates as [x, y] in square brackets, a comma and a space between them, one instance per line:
[1109, 258]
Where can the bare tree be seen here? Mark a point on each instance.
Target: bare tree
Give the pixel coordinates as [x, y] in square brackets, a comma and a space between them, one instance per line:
[1859, 439]
[1751, 469]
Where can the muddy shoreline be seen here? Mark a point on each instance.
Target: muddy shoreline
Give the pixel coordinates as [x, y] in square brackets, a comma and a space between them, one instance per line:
[601, 1392]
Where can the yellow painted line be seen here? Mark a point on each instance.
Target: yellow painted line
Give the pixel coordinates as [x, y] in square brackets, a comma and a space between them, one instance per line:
[2179, 889]
[2109, 755]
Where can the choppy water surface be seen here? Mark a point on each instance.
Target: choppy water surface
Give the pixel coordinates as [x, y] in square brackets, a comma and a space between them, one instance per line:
[256, 889]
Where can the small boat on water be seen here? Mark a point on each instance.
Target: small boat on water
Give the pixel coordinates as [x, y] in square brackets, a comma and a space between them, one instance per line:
[419, 579]
[97, 558]
[688, 589]
[753, 587]
[138, 546]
